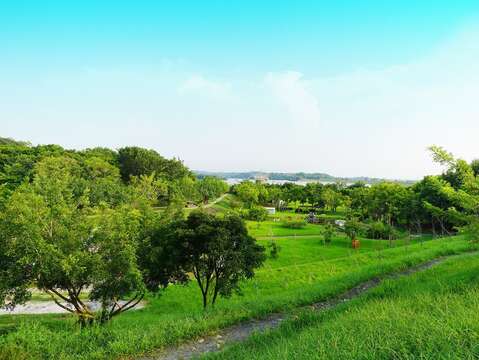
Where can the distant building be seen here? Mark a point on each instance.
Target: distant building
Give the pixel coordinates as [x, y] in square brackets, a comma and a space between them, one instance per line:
[270, 210]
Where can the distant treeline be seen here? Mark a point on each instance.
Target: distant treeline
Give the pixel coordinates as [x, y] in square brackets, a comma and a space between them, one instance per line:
[300, 176]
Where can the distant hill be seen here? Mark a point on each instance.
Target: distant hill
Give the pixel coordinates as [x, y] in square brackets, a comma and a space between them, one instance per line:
[9, 141]
[300, 176]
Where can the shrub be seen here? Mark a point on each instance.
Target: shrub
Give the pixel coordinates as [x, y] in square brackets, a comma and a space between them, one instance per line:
[328, 233]
[379, 230]
[257, 213]
[294, 224]
[274, 249]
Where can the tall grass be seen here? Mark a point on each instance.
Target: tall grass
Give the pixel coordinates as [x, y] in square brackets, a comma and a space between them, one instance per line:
[430, 315]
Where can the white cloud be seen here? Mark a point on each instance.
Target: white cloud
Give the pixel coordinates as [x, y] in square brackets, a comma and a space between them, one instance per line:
[292, 91]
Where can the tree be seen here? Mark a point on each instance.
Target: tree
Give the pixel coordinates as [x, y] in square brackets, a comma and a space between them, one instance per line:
[219, 253]
[257, 213]
[471, 230]
[458, 172]
[53, 238]
[475, 167]
[136, 161]
[247, 192]
[331, 198]
[353, 228]
[9, 141]
[328, 233]
[211, 187]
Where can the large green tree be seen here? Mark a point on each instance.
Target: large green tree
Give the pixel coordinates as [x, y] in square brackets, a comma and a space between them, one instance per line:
[219, 252]
[52, 237]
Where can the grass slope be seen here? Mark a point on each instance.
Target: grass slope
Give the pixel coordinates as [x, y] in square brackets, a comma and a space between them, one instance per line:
[301, 276]
[430, 315]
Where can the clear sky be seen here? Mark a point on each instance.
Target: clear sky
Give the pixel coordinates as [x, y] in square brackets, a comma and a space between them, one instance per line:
[346, 87]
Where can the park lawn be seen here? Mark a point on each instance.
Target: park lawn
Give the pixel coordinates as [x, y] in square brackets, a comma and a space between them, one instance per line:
[429, 315]
[226, 204]
[272, 228]
[307, 249]
[281, 285]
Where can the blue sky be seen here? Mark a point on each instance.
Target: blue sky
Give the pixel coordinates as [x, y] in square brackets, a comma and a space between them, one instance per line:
[346, 87]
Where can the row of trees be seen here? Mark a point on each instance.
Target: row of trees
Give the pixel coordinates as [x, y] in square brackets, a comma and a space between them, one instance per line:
[174, 182]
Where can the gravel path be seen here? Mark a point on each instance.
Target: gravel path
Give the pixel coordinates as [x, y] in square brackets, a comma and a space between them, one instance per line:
[49, 307]
[242, 331]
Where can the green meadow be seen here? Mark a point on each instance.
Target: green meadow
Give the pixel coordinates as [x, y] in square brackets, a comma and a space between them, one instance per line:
[428, 315]
[306, 271]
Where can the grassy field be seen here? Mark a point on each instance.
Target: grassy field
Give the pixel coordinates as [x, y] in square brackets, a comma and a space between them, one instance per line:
[305, 272]
[430, 315]
[272, 228]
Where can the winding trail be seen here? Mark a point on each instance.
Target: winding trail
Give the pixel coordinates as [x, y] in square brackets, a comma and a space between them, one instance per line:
[242, 331]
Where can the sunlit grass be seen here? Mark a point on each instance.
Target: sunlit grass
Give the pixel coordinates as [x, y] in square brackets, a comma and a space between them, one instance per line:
[430, 315]
[305, 272]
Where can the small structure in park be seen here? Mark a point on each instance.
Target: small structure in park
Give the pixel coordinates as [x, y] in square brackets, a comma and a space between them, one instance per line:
[270, 210]
[355, 244]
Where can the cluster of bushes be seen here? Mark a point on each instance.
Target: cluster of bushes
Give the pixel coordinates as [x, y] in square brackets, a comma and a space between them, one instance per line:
[293, 224]
[380, 230]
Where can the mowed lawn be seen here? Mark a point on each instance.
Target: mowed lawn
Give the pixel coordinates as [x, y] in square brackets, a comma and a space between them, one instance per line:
[271, 228]
[430, 315]
[305, 272]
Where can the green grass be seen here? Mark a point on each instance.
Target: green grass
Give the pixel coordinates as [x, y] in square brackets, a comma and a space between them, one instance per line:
[310, 249]
[305, 272]
[430, 315]
[272, 228]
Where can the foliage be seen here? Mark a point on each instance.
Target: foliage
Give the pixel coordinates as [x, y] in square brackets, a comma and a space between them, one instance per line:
[274, 249]
[293, 224]
[211, 187]
[353, 228]
[257, 213]
[136, 161]
[64, 245]
[247, 192]
[219, 252]
[331, 199]
[471, 230]
[380, 230]
[328, 233]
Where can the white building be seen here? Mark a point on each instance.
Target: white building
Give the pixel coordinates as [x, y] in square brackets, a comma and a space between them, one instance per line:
[270, 210]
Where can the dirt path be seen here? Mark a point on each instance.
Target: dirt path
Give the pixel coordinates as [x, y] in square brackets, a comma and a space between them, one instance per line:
[242, 331]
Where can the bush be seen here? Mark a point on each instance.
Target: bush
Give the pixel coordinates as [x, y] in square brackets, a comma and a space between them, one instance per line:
[257, 213]
[274, 249]
[294, 224]
[328, 233]
[379, 230]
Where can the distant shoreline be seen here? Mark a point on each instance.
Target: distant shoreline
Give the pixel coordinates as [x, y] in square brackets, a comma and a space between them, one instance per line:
[300, 178]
